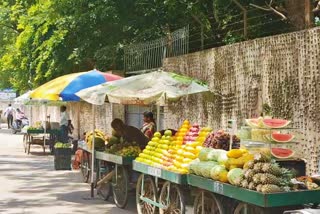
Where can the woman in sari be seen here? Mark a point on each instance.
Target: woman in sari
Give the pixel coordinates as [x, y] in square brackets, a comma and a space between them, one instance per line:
[149, 125]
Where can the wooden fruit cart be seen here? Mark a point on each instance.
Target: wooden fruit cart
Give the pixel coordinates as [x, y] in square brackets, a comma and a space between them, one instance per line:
[220, 198]
[113, 176]
[38, 137]
[85, 161]
[171, 196]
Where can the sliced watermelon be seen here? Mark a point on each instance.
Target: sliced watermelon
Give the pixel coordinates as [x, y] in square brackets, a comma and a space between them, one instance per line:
[275, 123]
[254, 122]
[282, 153]
[282, 138]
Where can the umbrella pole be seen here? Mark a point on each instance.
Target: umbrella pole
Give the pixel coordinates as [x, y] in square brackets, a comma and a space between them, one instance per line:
[78, 119]
[45, 126]
[92, 150]
[31, 119]
[158, 117]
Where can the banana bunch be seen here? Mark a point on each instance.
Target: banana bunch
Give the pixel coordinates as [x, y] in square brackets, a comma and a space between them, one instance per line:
[100, 139]
[130, 151]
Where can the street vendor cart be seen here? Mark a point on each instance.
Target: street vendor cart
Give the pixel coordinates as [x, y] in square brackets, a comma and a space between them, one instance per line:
[40, 137]
[171, 198]
[113, 173]
[216, 197]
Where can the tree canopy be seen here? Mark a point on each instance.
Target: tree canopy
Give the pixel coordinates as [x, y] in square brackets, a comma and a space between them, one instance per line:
[43, 39]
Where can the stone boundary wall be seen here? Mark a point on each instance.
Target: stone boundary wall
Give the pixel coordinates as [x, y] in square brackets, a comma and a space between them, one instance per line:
[282, 71]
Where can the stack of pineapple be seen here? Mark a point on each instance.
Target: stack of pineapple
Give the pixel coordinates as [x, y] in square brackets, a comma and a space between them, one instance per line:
[265, 176]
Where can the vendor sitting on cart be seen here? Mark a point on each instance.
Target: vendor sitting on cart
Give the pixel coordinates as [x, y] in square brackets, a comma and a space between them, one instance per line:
[149, 125]
[129, 133]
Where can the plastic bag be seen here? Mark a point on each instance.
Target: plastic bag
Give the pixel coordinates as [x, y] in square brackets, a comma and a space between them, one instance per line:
[209, 154]
[217, 171]
[203, 154]
[202, 168]
[206, 168]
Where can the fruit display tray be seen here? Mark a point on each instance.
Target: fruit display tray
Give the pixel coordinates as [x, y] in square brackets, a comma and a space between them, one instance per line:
[268, 142]
[41, 131]
[117, 159]
[160, 173]
[281, 199]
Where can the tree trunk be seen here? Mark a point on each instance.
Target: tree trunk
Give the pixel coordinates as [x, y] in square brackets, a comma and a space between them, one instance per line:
[299, 13]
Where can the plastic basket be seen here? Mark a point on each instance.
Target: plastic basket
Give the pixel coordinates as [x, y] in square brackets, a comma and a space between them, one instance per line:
[62, 159]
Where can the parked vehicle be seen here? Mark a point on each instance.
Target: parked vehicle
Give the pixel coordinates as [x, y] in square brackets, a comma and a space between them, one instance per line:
[18, 125]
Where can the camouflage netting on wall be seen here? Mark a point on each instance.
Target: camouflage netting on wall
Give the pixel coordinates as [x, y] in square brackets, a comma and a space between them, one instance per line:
[282, 71]
[81, 115]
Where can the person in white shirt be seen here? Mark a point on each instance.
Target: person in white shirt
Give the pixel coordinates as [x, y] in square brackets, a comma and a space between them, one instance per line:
[64, 121]
[8, 113]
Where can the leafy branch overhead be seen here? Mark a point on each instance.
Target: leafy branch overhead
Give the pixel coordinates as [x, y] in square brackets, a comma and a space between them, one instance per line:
[43, 39]
[272, 6]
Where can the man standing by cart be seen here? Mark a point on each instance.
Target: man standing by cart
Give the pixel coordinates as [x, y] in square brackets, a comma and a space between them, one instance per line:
[64, 122]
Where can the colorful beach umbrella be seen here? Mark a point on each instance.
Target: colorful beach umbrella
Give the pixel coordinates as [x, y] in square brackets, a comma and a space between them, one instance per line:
[64, 88]
[23, 99]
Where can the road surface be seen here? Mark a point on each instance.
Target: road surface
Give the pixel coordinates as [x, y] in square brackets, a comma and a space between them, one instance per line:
[29, 184]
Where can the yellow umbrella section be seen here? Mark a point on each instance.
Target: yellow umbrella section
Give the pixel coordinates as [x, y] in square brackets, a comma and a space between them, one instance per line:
[52, 89]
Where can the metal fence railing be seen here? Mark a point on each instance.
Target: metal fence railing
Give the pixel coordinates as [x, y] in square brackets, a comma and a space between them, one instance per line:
[146, 56]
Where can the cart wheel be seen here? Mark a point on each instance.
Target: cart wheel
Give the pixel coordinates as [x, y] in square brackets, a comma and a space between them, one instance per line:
[120, 186]
[104, 191]
[149, 191]
[85, 167]
[172, 198]
[206, 203]
[244, 208]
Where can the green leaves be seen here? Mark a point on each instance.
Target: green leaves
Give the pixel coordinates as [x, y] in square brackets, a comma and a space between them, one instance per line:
[43, 39]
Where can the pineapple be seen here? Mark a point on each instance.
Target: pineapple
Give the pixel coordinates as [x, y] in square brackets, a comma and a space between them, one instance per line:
[258, 187]
[238, 181]
[272, 168]
[252, 186]
[248, 165]
[249, 174]
[270, 188]
[270, 179]
[245, 184]
[286, 189]
[256, 178]
[258, 167]
[262, 158]
[286, 174]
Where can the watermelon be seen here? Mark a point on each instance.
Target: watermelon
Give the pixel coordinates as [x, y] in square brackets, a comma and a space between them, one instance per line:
[282, 153]
[254, 122]
[282, 138]
[275, 123]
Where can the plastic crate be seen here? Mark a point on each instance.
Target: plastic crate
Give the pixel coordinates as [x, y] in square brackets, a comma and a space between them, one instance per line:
[299, 166]
[62, 159]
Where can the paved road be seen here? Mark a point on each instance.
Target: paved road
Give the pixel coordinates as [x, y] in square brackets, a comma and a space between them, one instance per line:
[29, 184]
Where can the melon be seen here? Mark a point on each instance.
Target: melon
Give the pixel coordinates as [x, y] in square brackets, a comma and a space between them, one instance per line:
[282, 153]
[275, 123]
[235, 175]
[282, 138]
[253, 123]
